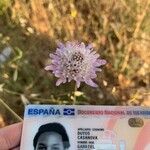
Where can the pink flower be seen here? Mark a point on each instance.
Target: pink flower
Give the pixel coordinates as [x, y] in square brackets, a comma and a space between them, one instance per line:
[75, 61]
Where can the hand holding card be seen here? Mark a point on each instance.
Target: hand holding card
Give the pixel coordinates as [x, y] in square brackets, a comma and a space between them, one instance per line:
[10, 137]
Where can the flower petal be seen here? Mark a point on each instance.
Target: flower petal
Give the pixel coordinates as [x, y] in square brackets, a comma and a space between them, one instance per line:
[91, 83]
[78, 84]
[102, 61]
[98, 69]
[60, 45]
[90, 46]
[50, 67]
[59, 81]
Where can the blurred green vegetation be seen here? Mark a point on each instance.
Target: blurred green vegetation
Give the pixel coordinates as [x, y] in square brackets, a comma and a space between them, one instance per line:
[118, 29]
[4, 4]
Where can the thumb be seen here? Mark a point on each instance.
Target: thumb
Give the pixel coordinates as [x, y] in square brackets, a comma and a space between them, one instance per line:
[10, 136]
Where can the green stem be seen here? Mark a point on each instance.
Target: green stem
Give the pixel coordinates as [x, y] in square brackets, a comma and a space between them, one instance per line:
[11, 111]
[74, 96]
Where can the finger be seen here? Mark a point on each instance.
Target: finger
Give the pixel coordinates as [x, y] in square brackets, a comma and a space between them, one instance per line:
[17, 148]
[10, 136]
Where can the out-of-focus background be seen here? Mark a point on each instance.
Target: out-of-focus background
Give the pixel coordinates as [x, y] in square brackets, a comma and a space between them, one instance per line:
[30, 29]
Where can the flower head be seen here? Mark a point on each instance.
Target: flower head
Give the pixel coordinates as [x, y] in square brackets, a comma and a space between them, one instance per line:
[75, 61]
